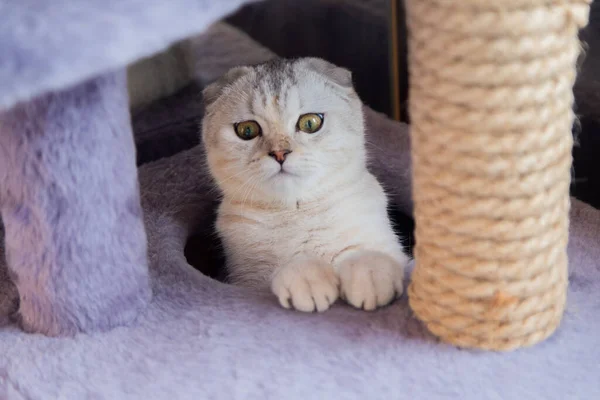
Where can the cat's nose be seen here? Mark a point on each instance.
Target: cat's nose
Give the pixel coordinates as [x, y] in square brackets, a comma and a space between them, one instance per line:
[280, 155]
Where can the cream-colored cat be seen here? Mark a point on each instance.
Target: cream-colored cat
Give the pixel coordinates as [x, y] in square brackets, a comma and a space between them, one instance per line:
[300, 212]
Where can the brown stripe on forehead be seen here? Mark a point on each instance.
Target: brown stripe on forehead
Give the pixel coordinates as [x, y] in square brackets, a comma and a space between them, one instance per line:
[251, 105]
[264, 98]
[276, 75]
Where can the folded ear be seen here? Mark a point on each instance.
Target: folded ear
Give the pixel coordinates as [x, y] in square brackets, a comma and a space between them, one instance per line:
[339, 75]
[214, 90]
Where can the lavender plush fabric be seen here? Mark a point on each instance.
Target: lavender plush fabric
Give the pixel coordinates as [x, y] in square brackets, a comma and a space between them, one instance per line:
[202, 339]
[49, 45]
[75, 241]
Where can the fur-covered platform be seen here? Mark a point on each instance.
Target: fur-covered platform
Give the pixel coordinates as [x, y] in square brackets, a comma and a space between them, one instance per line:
[202, 339]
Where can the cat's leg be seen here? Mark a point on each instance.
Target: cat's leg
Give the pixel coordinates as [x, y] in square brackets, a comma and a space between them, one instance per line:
[69, 198]
[307, 284]
[370, 279]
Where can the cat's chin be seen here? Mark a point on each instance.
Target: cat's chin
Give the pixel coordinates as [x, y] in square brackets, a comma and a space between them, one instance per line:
[285, 185]
[284, 182]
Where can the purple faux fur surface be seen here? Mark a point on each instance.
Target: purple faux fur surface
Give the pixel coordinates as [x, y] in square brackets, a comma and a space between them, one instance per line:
[201, 339]
[75, 240]
[53, 44]
[66, 153]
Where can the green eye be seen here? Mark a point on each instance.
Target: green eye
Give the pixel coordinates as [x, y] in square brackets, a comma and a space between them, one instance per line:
[310, 123]
[247, 130]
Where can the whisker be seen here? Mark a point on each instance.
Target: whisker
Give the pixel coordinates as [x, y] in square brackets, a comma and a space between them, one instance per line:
[251, 187]
[371, 144]
[232, 176]
[241, 187]
[252, 192]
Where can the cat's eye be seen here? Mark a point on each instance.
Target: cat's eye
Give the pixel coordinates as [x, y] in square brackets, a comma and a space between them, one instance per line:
[310, 123]
[247, 130]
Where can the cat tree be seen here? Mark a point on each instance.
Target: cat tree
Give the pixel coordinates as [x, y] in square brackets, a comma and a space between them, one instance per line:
[73, 240]
[491, 109]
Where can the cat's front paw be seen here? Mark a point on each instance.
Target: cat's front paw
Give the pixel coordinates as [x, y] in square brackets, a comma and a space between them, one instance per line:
[307, 285]
[370, 279]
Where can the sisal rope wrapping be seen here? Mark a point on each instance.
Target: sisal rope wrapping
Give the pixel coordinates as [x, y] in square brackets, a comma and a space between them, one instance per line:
[491, 109]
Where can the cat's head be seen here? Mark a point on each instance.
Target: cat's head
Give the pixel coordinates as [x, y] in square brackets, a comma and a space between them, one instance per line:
[286, 130]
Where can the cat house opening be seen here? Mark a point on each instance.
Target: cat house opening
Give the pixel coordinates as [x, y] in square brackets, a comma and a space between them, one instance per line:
[204, 251]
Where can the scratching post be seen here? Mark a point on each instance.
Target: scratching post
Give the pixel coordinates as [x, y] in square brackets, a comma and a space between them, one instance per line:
[491, 110]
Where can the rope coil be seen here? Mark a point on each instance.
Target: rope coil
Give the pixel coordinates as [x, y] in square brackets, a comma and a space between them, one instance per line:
[491, 109]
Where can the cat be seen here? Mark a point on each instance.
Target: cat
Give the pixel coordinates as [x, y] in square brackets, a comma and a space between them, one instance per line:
[300, 213]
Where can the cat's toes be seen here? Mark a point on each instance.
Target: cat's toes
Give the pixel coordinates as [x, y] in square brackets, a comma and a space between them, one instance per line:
[307, 285]
[370, 279]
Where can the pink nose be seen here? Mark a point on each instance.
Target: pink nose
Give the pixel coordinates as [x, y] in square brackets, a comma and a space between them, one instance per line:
[280, 155]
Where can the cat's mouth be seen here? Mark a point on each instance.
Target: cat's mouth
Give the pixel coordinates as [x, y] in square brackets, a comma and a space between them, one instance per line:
[283, 172]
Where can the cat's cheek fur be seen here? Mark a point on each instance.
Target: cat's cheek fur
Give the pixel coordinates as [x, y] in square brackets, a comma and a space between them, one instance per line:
[370, 279]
